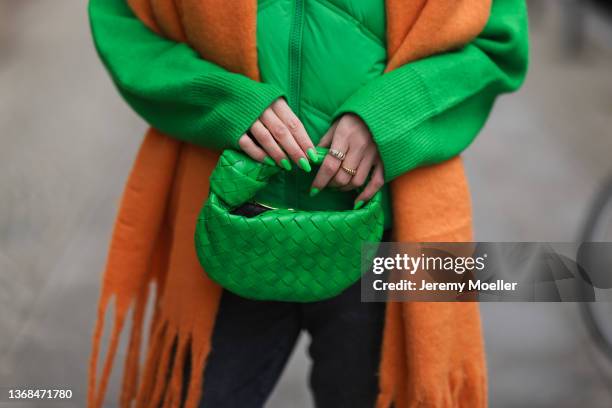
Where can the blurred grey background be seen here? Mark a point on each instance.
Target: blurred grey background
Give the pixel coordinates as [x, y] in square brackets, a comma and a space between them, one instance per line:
[67, 142]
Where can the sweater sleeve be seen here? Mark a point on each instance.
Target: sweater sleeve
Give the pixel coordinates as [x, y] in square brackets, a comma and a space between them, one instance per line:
[430, 110]
[170, 86]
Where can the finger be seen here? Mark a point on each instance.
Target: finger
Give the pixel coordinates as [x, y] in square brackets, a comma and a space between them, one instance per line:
[376, 182]
[330, 164]
[282, 135]
[352, 160]
[365, 166]
[267, 143]
[249, 146]
[356, 150]
[294, 124]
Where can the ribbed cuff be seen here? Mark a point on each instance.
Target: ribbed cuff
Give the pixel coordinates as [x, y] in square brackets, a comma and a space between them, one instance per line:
[395, 107]
[241, 102]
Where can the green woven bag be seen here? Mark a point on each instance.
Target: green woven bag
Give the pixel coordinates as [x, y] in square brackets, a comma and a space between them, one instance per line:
[279, 254]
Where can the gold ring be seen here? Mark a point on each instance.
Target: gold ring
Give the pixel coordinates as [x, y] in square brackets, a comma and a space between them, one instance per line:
[337, 154]
[352, 172]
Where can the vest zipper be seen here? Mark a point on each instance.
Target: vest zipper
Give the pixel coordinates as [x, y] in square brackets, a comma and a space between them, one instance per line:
[295, 56]
[295, 79]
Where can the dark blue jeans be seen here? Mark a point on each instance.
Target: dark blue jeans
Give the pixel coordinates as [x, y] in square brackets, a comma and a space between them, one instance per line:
[252, 341]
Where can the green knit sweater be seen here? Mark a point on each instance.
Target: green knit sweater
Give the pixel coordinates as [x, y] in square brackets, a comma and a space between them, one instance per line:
[422, 113]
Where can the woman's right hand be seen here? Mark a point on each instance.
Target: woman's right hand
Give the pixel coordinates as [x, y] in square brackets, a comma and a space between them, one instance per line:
[278, 135]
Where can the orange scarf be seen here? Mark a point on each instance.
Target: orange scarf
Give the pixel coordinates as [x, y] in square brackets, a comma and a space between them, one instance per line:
[432, 354]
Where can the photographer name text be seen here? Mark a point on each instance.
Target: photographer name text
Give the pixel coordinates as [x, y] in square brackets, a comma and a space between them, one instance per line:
[428, 286]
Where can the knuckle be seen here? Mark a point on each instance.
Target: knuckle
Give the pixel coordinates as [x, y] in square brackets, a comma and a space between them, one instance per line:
[360, 144]
[359, 148]
[257, 129]
[280, 132]
[377, 184]
[349, 127]
[326, 173]
[340, 133]
[340, 180]
[328, 168]
[293, 149]
[268, 143]
[267, 113]
[243, 141]
[358, 136]
[265, 137]
[261, 138]
[357, 181]
[293, 124]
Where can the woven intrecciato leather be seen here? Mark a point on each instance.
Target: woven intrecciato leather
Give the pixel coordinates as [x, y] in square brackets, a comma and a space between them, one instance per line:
[281, 254]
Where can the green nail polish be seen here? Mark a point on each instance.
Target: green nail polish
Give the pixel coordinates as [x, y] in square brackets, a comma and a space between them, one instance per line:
[285, 164]
[314, 191]
[268, 160]
[358, 205]
[303, 162]
[312, 154]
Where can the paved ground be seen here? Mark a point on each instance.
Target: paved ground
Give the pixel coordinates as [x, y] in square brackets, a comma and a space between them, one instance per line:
[68, 141]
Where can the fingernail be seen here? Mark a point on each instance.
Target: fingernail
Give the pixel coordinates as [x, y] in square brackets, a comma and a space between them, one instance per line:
[312, 154]
[358, 205]
[268, 160]
[285, 164]
[303, 163]
[314, 191]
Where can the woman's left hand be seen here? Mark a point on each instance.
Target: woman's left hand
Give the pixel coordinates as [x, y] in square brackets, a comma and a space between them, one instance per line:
[351, 136]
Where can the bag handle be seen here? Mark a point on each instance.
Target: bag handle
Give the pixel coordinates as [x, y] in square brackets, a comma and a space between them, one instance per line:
[237, 177]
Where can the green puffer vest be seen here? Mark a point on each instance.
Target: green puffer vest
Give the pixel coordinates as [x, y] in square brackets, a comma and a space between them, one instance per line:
[319, 52]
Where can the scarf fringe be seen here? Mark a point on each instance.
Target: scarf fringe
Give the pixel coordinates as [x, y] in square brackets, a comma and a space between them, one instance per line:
[132, 361]
[156, 373]
[152, 361]
[159, 383]
[162, 383]
[95, 395]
